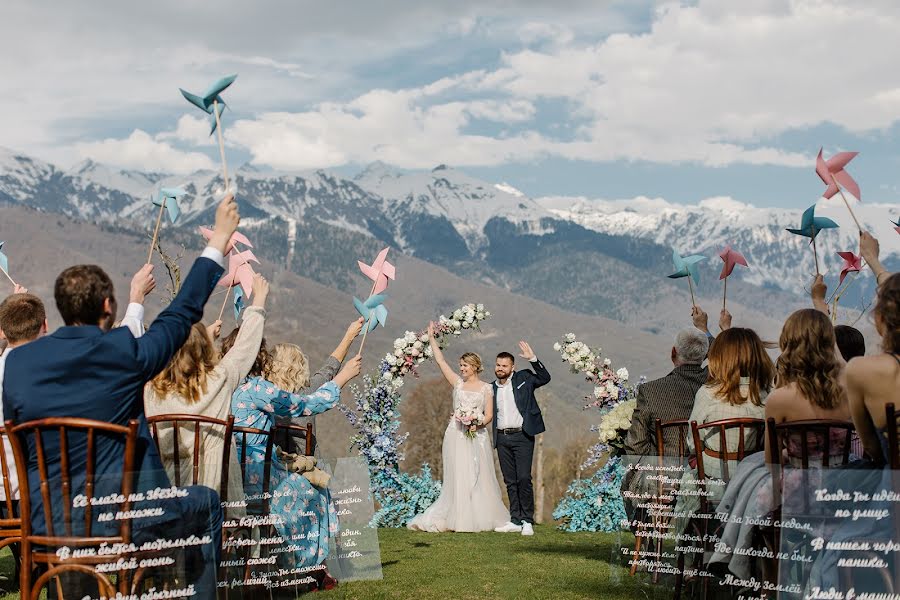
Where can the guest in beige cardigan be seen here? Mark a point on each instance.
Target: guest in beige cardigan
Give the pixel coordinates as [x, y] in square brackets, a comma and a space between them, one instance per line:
[197, 382]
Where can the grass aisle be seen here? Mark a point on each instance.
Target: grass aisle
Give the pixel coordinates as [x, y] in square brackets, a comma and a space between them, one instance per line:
[479, 566]
[482, 566]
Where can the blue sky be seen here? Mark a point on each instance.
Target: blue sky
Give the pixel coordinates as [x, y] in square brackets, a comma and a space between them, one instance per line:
[611, 100]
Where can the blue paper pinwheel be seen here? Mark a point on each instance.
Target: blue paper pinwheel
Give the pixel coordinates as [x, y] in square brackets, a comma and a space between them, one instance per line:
[811, 225]
[168, 197]
[238, 301]
[686, 266]
[211, 100]
[4, 262]
[372, 310]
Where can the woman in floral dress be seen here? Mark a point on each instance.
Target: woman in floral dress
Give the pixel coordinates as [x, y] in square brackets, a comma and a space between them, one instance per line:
[308, 520]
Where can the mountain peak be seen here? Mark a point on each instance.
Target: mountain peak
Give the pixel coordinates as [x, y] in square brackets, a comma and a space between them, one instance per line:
[441, 167]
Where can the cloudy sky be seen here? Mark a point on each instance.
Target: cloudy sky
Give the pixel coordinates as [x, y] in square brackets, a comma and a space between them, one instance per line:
[605, 100]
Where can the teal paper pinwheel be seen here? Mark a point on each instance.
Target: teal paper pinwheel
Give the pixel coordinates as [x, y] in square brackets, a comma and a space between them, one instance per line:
[811, 226]
[687, 267]
[211, 102]
[238, 301]
[4, 262]
[372, 310]
[169, 197]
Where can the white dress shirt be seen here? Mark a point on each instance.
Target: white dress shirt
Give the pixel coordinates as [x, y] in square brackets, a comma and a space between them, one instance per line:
[10, 459]
[508, 415]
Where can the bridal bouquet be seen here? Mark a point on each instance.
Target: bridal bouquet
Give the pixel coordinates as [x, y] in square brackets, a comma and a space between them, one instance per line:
[468, 417]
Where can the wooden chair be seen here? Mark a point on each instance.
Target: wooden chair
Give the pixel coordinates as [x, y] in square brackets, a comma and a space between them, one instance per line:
[799, 445]
[678, 429]
[701, 434]
[11, 521]
[285, 432]
[257, 504]
[180, 422]
[39, 550]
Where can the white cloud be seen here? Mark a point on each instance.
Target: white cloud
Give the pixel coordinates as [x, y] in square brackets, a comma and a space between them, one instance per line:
[143, 152]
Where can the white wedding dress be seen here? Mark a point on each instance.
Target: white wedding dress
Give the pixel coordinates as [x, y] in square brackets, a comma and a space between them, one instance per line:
[470, 497]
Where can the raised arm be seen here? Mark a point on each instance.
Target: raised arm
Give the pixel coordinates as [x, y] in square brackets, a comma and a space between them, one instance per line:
[869, 248]
[141, 284]
[171, 328]
[817, 293]
[238, 361]
[340, 353]
[286, 404]
[449, 374]
[541, 374]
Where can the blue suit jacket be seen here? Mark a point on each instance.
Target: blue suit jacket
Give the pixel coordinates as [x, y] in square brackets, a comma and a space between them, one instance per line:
[524, 383]
[84, 372]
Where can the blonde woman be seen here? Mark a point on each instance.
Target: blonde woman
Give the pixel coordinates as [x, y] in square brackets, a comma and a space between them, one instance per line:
[470, 497]
[196, 381]
[293, 366]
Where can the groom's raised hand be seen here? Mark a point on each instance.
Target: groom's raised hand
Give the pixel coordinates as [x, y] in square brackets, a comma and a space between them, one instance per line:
[526, 352]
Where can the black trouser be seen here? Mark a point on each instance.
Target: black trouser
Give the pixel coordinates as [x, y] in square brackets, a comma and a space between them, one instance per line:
[515, 451]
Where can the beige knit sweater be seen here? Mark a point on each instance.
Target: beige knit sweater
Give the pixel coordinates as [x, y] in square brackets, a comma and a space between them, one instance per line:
[216, 403]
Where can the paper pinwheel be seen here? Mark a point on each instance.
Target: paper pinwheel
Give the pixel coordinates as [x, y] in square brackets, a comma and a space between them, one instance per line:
[238, 301]
[240, 272]
[686, 266]
[372, 310]
[852, 262]
[379, 272]
[811, 225]
[896, 226]
[236, 238]
[211, 99]
[4, 262]
[832, 170]
[731, 258]
[168, 197]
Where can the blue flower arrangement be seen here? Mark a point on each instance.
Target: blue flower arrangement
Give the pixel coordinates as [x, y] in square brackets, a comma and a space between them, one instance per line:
[595, 503]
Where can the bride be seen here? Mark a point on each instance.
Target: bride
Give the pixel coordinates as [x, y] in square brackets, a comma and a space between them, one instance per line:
[470, 495]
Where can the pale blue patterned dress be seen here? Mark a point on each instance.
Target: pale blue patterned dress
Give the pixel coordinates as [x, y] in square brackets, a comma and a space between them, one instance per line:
[308, 518]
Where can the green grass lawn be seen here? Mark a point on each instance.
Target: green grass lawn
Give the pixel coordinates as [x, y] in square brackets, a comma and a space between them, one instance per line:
[482, 566]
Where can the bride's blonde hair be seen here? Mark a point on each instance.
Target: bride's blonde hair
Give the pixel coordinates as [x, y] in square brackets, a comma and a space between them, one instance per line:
[473, 360]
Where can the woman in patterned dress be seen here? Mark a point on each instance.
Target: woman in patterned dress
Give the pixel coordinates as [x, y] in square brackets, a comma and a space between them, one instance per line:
[308, 520]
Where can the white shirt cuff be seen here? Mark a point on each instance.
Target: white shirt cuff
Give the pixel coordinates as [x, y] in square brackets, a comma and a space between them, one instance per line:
[214, 255]
[134, 319]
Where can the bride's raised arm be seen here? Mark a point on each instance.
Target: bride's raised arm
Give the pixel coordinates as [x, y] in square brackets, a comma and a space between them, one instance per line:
[449, 374]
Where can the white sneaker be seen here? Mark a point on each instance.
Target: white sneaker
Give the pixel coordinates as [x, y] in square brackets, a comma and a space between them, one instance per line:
[527, 529]
[509, 528]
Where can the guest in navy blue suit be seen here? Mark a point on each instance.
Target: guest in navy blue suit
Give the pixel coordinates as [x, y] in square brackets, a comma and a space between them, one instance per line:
[87, 370]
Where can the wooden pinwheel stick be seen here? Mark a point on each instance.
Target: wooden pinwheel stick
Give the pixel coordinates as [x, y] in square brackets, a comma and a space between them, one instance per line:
[221, 143]
[365, 333]
[847, 204]
[725, 293]
[815, 251]
[222, 310]
[691, 286]
[156, 231]
[8, 277]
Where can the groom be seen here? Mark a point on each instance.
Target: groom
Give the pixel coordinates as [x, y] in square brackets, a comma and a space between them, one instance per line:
[517, 420]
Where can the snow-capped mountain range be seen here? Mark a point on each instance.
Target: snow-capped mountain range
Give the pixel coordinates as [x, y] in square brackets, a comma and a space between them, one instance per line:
[446, 216]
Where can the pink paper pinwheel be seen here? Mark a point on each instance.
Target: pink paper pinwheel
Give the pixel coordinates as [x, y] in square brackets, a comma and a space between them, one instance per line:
[240, 272]
[379, 272]
[731, 258]
[832, 173]
[236, 238]
[896, 225]
[852, 262]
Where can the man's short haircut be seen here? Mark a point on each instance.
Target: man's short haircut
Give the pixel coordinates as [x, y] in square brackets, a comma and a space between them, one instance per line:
[80, 292]
[21, 317]
[850, 341]
[511, 358]
[691, 345]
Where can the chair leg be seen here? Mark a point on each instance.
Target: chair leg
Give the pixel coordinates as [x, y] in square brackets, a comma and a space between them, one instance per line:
[638, 538]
